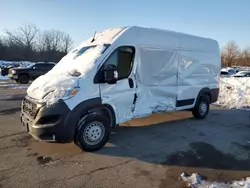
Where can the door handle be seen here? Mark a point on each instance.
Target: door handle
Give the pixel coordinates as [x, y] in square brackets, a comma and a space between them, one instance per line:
[131, 83]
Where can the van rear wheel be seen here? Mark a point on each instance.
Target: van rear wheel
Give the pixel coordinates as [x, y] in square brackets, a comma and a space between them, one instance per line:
[201, 108]
[93, 132]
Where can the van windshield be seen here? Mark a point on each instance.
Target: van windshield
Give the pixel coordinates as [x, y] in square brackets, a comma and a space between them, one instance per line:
[86, 48]
[79, 61]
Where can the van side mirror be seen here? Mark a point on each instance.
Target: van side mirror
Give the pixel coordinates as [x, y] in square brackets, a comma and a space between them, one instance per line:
[110, 74]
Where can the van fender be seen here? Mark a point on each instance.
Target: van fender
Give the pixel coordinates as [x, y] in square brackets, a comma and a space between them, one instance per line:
[205, 91]
[86, 107]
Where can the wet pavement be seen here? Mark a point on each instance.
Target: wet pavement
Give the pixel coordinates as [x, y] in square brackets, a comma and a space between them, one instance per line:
[147, 152]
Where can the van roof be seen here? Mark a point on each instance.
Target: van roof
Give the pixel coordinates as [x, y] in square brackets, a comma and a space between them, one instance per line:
[136, 35]
[162, 37]
[167, 31]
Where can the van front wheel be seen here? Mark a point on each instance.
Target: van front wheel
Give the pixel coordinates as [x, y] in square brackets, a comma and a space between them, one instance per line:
[201, 108]
[93, 132]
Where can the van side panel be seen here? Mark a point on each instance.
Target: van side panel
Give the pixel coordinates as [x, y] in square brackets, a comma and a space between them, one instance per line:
[196, 70]
[156, 80]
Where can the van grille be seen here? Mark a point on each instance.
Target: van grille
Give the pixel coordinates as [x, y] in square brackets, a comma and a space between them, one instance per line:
[29, 108]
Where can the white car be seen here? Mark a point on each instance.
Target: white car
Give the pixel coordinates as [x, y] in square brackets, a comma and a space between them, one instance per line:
[243, 74]
[227, 72]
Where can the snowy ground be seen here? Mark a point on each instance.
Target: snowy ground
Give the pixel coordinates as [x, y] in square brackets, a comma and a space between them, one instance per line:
[234, 93]
[196, 181]
[20, 63]
[8, 84]
[3, 77]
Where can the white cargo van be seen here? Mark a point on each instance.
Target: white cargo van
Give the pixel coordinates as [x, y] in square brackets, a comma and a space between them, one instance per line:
[117, 75]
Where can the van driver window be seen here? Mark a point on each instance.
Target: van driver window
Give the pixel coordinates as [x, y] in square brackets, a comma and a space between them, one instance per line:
[123, 58]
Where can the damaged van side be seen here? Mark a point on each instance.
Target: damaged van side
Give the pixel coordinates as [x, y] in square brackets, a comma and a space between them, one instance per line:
[118, 75]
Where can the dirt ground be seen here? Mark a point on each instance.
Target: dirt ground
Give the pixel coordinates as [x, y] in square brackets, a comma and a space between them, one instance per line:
[148, 152]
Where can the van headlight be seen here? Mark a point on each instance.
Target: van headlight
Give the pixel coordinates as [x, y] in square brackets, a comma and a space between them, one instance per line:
[64, 94]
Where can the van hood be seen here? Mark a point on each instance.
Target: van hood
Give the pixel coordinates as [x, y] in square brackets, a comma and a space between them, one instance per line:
[50, 83]
[62, 76]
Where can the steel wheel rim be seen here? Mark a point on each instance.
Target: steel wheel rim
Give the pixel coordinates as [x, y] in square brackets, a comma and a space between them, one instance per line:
[93, 133]
[203, 108]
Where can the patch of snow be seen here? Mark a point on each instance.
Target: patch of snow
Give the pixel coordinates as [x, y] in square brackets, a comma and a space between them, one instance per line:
[59, 79]
[19, 87]
[8, 84]
[234, 93]
[19, 63]
[13, 85]
[103, 37]
[196, 181]
[4, 77]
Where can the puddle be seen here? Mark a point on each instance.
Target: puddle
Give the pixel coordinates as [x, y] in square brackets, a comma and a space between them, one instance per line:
[32, 154]
[56, 150]
[22, 141]
[207, 156]
[9, 111]
[43, 160]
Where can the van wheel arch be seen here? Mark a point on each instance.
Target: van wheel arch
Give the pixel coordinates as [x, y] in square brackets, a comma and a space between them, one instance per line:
[205, 91]
[106, 110]
[87, 107]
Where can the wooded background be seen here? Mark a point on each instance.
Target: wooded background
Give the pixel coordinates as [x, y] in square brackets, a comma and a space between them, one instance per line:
[28, 43]
[232, 55]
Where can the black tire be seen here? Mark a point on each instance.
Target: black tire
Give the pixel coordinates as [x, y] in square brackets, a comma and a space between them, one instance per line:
[23, 79]
[201, 108]
[90, 125]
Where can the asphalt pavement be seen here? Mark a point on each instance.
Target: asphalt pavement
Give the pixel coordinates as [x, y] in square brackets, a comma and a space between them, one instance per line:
[147, 152]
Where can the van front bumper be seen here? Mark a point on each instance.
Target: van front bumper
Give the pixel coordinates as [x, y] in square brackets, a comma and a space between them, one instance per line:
[48, 123]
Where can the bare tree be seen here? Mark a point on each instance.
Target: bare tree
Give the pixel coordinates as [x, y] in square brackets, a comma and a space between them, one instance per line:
[29, 44]
[231, 53]
[55, 40]
[67, 43]
[246, 57]
[2, 48]
[24, 36]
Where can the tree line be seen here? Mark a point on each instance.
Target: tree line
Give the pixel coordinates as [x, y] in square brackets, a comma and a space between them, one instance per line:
[28, 43]
[231, 55]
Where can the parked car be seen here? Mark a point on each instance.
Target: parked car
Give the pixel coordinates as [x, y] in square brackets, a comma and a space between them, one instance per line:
[5, 70]
[231, 71]
[118, 75]
[23, 75]
[224, 73]
[243, 74]
[236, 68]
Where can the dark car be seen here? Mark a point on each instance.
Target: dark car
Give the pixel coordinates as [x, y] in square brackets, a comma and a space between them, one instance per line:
[5, 70]
[224, 73]
[243, 74]
[24, 75]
